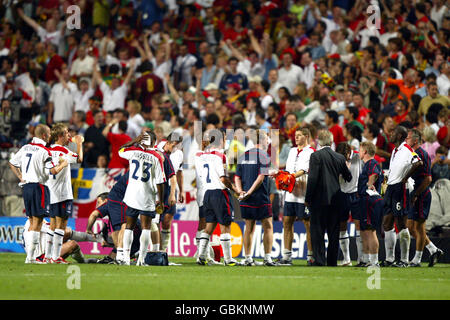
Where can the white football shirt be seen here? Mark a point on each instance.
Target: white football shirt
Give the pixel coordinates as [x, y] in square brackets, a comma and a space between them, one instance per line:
[214, 164]
[146, 172]
[199, 178]
[60, 185]
[356, 166]
[34, 161]
[402, 160]
[298, 160]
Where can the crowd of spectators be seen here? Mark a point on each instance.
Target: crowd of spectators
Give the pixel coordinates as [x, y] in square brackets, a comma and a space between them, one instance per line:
[280, 64]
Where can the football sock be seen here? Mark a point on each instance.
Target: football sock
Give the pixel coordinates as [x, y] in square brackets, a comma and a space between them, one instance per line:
[417, 257]
[119, 255]
[225, 242]
[373, 258]
[431, 247]
[78, 255]
[310, 256]
[365, 258]
[127, 240]
[405, 241]
[144, 242]
[165, 238]
[268, 257]
[84, 236]
[390, 238]
[248, 258]
[33, 242]
[344, 243]
[287, 254]
[49, 244]
[359, 245]
[203, 245]
[210, 255]
[57, 243]
[197, 238]
[155, 247]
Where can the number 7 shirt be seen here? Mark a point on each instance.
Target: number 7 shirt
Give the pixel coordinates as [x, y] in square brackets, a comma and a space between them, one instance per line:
[146, 172]
[34, 161]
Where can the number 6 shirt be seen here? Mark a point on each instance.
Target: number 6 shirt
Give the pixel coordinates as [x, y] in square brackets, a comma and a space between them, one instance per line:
[146, 172]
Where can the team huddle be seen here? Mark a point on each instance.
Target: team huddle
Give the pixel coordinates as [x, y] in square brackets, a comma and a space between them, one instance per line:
[142, 204]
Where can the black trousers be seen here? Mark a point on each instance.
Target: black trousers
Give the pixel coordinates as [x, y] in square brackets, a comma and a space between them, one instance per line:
[325, 219]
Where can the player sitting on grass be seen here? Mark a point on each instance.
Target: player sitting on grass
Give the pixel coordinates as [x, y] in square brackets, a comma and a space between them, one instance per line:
[69, 247]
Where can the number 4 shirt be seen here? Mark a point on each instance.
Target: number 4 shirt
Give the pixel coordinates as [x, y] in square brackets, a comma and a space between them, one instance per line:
[146, 172]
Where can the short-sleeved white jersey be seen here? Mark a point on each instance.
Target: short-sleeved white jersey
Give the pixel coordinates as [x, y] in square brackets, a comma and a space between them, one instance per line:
[199, 179]
[146, 172]
[402, 159]
[60, 185]
[214, 164]
[177, 161]
[298, 160]
[34, 161]
[355, 168]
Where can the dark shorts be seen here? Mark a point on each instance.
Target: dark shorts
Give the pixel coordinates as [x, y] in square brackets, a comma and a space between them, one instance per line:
[117, 214]
[421, 208]
[256, 213]
[218, 207]
[295, 209]
[396, 200]
[134, 213]
[371, 212]
[348, 203]
[201, 212]
[61, 209]
[36, 198]
[169, 209]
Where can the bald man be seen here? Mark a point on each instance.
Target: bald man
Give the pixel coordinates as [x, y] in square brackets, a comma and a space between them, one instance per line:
[32, 164]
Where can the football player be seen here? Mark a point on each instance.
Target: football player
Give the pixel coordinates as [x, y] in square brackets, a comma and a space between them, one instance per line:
[145, 182]
[420, 203]
[217, 204]
[370, 203]
[172, 176]
[60, 186]
[404, 161]
[200, 185]
[32, 165]
[294, 205]
[349, 202]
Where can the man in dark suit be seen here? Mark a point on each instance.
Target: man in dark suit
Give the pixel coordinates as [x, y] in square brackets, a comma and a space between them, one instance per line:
[322, 189]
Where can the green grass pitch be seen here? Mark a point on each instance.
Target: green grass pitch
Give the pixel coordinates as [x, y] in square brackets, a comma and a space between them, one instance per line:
[193, 282]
